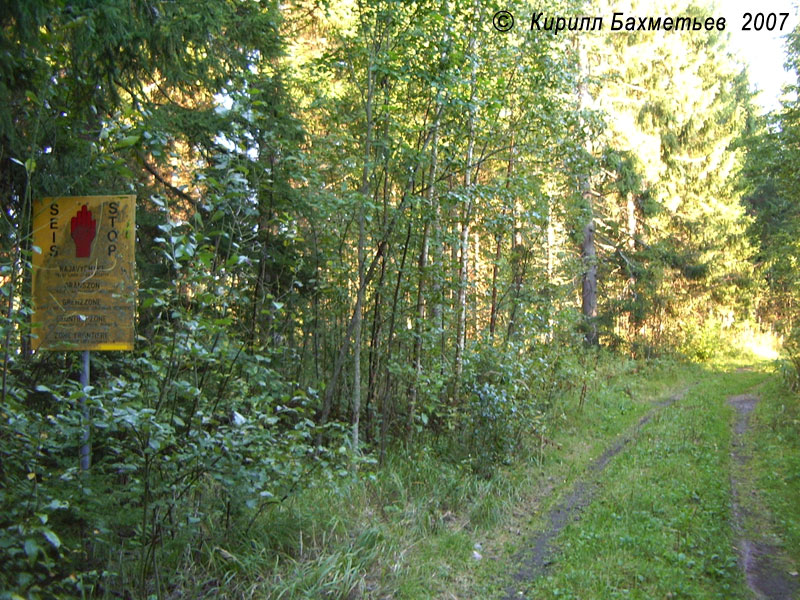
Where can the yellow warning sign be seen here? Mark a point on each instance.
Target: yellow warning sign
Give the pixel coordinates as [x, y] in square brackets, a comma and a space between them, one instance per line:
[84, 289]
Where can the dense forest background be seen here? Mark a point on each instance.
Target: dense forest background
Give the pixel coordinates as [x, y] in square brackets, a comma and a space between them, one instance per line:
[366, 230]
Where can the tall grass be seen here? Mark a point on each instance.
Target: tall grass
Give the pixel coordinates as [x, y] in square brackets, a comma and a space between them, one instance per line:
[425, 523]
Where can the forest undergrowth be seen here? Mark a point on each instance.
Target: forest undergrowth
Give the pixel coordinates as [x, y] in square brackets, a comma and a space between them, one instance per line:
[432, 519]
[421, 525]
[414, 526]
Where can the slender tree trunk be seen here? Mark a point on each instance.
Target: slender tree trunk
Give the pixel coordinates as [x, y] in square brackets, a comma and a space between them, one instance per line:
[466, 215]
[463, 281]
[498, 252]
[384, 398]
[630, 206]
[476, 277]
[357, 318]
[412, 401]
[374, 353]
[431, 235]
[357, 333]
[588, 251]
[551, 244]
[265, 215]
[422, 268]
[495, 271]
[315, 309]
[589, 283]
[516, 270]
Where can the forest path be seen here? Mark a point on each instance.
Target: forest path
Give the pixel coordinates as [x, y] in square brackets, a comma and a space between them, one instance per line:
[670, 509]
[761, 561]
[540, 548]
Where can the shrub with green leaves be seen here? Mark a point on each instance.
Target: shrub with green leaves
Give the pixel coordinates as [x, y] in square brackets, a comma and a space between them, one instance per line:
[193, 436]
[512, 390]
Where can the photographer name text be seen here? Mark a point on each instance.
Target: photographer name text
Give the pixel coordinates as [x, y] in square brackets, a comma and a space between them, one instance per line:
[504, 21]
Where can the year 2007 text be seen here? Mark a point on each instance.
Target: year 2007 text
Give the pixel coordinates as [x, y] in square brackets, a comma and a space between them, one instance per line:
[764, 21]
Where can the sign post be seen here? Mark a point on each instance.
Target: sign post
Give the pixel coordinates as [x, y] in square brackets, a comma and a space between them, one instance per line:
[86, 448]
[84, 288]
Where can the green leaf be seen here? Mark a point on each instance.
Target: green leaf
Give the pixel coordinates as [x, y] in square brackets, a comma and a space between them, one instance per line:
[52, 538]
[57, 505]
[124, 171]
[128, 141]
[32, 549]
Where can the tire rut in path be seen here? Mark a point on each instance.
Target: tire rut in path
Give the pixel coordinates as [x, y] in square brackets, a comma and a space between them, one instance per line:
[539, 549]
[758, 560]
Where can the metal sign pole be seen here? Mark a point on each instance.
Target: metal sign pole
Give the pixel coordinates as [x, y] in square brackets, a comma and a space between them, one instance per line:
[86, 447]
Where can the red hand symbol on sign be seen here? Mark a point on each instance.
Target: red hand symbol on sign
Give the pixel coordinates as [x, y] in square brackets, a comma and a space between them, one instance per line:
[83, 229]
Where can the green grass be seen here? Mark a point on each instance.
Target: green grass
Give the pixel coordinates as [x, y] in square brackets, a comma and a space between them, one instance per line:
[659, 525]
[774, 469]
[617, 402]
[409, 529]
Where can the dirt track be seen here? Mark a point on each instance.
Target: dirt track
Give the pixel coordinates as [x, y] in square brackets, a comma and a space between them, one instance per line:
[538, 551]
[758, 559]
